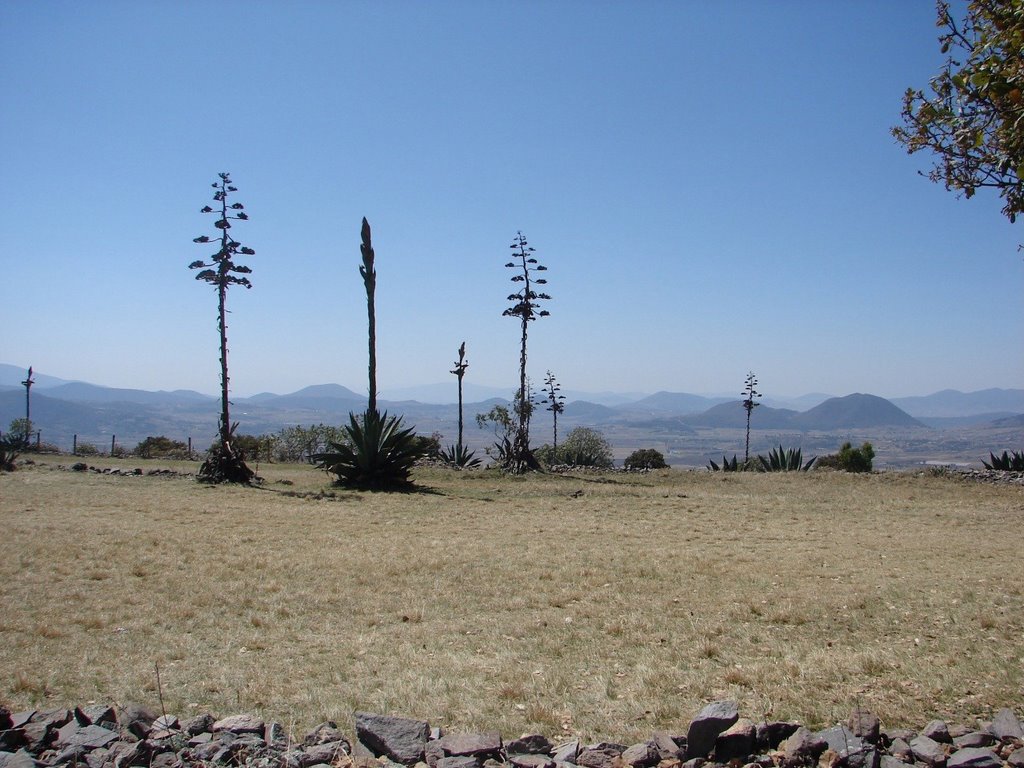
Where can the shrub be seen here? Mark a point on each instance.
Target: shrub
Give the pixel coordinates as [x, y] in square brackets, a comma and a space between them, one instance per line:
[159, 447]
[645, 458]
[732, 466]
[430, 447]
[1007, 462]
[849, 459]
[86, 449]
[254, 447]
[584, 447]
[380, 456]
[779, 460]
[459, 457]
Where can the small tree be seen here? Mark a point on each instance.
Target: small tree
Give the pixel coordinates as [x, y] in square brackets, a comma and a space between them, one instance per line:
[556, 404]
[749, 394]
[645, 458]
[973, 118]
[524, 306]
[586, 447]
[223, 464]
[21, 430]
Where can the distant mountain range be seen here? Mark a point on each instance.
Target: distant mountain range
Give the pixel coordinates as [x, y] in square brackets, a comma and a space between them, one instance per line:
[62, 408]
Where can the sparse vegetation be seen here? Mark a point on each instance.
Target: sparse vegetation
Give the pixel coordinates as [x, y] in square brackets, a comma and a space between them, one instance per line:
[663, 575]
[1007, 462]
[645, 458]
[224, 465]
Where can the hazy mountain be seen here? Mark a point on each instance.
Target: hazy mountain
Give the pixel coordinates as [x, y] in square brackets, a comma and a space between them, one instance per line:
[961, 422]
[13, 375]
[1010, 421]
[90, 393]
[678, 403]
[951, 402]
[318, 397]
[582, 411]
[802, 403]
[855, 411]
[732, 415]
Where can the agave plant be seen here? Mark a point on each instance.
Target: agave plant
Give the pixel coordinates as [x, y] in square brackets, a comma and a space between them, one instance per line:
[726, 466]
[1007, 462]
[780, 460]
[225, 464]
[459, 457]
[380, 456]
[10, 447]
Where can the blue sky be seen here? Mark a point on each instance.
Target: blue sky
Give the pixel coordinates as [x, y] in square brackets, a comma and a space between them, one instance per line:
[712, 186]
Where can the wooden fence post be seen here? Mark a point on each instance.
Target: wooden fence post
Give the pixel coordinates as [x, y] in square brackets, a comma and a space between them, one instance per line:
[74, 446]
[113, 439]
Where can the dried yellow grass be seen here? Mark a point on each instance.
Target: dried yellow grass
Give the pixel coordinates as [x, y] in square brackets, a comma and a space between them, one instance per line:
[604, 606]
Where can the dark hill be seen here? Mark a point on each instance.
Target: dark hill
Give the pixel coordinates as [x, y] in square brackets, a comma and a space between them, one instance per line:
[856, 411]
[90, 393]
[732, 415]
[676, 403]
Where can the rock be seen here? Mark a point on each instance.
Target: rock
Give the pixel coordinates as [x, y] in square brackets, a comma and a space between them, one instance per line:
[736, 742]
[974, 757]
[602, 755]
[200, 724]
[530, 760]
[889, 735]
[667, 747]
[1016, 758]
[458, 761]
[165, 760]
[327, 752]
[802, 747]
[865, 725]
[1006, 726]
[974, 739]
[851, 750]
[566, 752]
[529, 744]
[901, 750]
[707, 725]
[927, 750]
[890, 761]
[475, 744]
[641, 756]
[324, 733]
[938, 731]
[771, 734]
[89, 737]
[239, 724]
[19, 759]
[136, 719]
[399, 738]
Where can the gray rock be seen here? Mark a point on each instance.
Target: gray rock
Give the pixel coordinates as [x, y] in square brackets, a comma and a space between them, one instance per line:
[1016, 758]
[736, 741]
[901, 750]
[667, 747]
[458, 761]
[19, 759]
[89, 737]
[865, 725]
[938, 731]
[641, 756]
[136, 718]
[325, 753]
[890, 761]
[324, 733]
[1006, 726]
[603, 755]
[566, 752]
[802, 746]
[974, 739]
[853, 751]
[165, 760]
[200, 724]
[705, 727]
[530, 760]
[475, 744]
[274, 735]
[398, 738]
[240, 724]
[891, 734]
[529, 744]
[771, 734]
[927, 750]
[974, 757]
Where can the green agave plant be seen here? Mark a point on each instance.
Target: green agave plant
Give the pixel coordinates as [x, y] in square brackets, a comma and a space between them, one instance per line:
[780, 460]
[10, 447]
[1007, 462]
[726, 466]
[460, 458]
[381, 455]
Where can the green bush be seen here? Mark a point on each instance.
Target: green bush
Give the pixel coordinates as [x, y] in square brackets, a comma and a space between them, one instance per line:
[429, 447]
[780, 460]
[10, 448]
[849, 459]
[583, 447]
[732, 466]
[459, 457]
[86, 449]
[160, 447]
[379, 456]
[1007, 462]
[645, 458]
[253, 447]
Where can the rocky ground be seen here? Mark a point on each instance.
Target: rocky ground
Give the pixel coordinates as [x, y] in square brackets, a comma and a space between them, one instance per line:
[99, 736]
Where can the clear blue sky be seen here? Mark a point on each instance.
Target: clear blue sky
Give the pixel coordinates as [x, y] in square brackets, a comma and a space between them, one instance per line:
[712, 186]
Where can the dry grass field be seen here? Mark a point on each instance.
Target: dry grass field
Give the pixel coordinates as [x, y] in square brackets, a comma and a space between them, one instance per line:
[605, 606]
